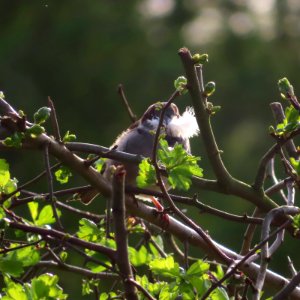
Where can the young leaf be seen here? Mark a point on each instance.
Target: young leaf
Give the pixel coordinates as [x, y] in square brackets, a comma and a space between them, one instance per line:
[35, 130]
[69, 137]
[63, 174]
[15, 140]
[33, 209]
[46, 216]
[89, 231]
[198, 268]
[139, 257]
[147, 176]
[180, 85]
[165, 267]
[4, 173]
[42, 115]
[180, 165]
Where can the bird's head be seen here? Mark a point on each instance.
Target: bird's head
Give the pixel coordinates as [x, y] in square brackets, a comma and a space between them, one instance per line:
[184, 126]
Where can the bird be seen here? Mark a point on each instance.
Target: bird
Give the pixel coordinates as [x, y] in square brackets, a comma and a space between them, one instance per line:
[139, 139]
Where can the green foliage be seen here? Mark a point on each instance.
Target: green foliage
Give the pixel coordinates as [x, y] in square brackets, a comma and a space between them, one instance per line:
[139, 257]
[189, 284]
[99, 164]
[180, 85]
[89, 231]
[63, 174]
[69, 137]
[45, 216]
[285, 88]
[89, 285]
[7, 184]
[34, 131]
[14, 261]
[42, 115]
[147, 175]
[179, 165]
[289, 124]
[296, 223]
[200, 58]
[15, 140]
[209, 88]
[43, 287]
[296, 165]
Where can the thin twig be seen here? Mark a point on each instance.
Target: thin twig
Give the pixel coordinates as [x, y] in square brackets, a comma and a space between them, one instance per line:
[265, 250]
[28, 183]
[118, 212]
[243, 260]
[127, 106]
[291, 266]
[288, 289]
[272, 175]
[163, 189]
[54, 120]
[203, 118]
[50, 186]
[78, 270]
[249, 233]
[44, 232]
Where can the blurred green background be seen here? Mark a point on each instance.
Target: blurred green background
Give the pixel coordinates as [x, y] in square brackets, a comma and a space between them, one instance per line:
[78, 52]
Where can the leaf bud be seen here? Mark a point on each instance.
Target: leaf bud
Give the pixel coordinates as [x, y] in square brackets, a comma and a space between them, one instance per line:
[210, 88]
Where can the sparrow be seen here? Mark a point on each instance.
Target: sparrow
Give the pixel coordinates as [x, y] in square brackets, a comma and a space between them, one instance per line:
[139, 139]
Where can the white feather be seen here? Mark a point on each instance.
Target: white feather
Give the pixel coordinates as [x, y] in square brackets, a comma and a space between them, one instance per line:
[184, 126]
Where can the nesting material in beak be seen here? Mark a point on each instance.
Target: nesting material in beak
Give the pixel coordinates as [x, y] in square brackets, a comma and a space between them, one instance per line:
[184, 126]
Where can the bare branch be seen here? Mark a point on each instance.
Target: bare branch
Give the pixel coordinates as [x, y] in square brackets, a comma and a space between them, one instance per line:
[118, 212]
[125, 102]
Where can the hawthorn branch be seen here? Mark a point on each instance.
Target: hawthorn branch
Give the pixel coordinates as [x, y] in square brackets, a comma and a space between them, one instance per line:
[266, 252]
[125, 102]
[199, 102]
[213, 247]
[74, 269]
[118, 212]
[50, 186]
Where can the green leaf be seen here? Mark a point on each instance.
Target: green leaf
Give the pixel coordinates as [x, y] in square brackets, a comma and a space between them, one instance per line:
[139, 257]
[180, 85]
[11, 266]
[147, 175]
[107, 296]
[2, 213]
[15, 140]
[13, 291]
[33, 209]
[35, 130]
[89, 231]
[285, 87]
[200, 58]
[296, 165]
[210, 88]
[45, 287]
[69, 137]
[4, 173]
[11, 186]
[180, 165]
[165, 267]
[46, 216]
[219, 294]
[63, 174]
[42, 115]
[198, 268]
[296, 222]
[99, 164]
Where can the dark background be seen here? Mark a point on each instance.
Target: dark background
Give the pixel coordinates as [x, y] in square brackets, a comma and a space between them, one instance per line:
[78, 52]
